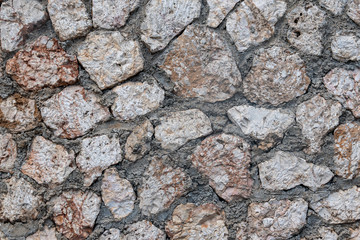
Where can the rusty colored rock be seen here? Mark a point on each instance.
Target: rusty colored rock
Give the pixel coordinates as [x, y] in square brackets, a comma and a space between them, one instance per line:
[353, 10]
[218, 9]
[8, 153]
[345, 47]
[46, 234]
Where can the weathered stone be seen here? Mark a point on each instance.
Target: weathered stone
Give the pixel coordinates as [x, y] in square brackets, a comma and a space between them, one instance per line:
[143, 230]
[48, 162]
[109, 58]
[225, 160]
[353, 10]
[354, 234]
[8, 153]
[73, 112]
[111, 234]
[218, 10]
[165, 19]
[345, 47]
[201, 65]
[317, 117]
[177, 128]
[327, 234]
[43, 64]
[97, 154]
[253, 22]
[277, 76]
[197, 222]
[46, 234]
[334, 6]
[2, 235]
[69, 18]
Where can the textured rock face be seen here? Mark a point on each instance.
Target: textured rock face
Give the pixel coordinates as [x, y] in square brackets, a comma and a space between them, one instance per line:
[8, 153]
[253, 22]
[345, 47]
[46, 234]
[136, 99]
[201, 65]
[277, 76]
[285, 171]
[317, 117]
[354, 234]
[218, 10]
[165, 19]
[97, 154]
[335, 6]
[225, 160]
[197, 222]
[109, 58]
[73, 112]
[75, 212]
[43, 64]
[69, 18]
[353, 10]
[111, 234]
[143, 230]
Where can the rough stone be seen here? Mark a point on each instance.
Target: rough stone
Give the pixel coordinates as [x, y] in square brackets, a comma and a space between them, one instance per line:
[277, 76]
[353, 10]
[165, 19]
[345, 47]
[354, 234]
[143, 230]
[328, 234]
[109, 58]
[73, 112]
[111, 234]
[8, 153]
[201, 65]
[43, 64]
[46, 234]
[334, 6]
[218, 10]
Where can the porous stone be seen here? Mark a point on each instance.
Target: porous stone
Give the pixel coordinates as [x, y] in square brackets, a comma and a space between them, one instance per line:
[177, 128]
[334, 6]
[109, 58]
[46, 234]
[43, 64]
[143, 230]
[111, 234]
[69, 18]
[164, 19]
[218, 10]
[201, 65]
[277, 76]
[225, 160]
[345, 47]
[317, 117]
[8, 153]
[353, 10]
[73, 112]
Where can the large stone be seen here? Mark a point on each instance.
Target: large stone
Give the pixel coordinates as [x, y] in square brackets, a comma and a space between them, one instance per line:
[353, 10]
[164, 19]
[225, 160]
[201, 65]
[109, 58]
[73, 112]
[143, 230]
[46, 234]
[345, 47]
[8, 153]
[43, 64]
[218, 9]
[277, 76]
[334, 6]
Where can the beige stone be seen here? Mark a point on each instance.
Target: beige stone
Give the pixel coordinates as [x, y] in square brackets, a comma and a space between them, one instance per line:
[218, 9]
[143, 230]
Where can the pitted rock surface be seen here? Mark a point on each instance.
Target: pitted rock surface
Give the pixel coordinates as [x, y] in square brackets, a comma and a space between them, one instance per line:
[218, 9]
[8, 153]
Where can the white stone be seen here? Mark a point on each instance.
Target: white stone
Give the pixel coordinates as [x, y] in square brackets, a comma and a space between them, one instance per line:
[218, 9]
[334, 6]
[345, 47]
[8, 153]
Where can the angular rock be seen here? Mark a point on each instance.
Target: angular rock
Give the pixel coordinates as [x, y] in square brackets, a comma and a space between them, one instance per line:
[353, 10]
[73, 112]
[354, 234]
[97, 154]
[334, 6]
[225, 160]
[197, 222]
[143, 230]
[109, 58]
[48, 163]
[165, 19]
[111, 234]
[8, 153]
[253, 22]
[345, 47]
[317, 117]
[177, 128]
[328, 234]
[69, 18]
[46, 234]
[218, 9]
[201, 65]
[277, 76]
[43, 64]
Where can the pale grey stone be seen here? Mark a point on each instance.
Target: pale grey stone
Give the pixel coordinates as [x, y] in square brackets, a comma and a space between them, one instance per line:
[8, 153]
[334, 6]
[345, 47]
[143, 230]
[353, 10]
[218, 9]
[46, 234]
[111, 234]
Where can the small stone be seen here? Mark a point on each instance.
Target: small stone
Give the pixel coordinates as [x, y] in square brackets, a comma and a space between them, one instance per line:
[97, 154]
[165, 19]
[69, 18]
[111, 234]
[8, 153]
[177, 128]
[75, 212]
[46, 234]
[334, 6]
[109, 58]
[143, 230]
[48, 163]
[73, 112]
[218, 9]
[43, 64]
[253, 22]
[201, 65]
[317, 117]
[353, 10]
[345, 47]
[197, 222]
[225, 160]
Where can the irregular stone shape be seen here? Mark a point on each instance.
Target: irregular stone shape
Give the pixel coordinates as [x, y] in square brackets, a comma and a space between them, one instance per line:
[201, 65]
[19, 114]
[69, 18]
[2, 235]
[46, 234]
[197, 222]
[353, 10]
[48, 162]
[165, 19]
[328, 234]
[218, 10]
[109, 58]
[161, 186]
[225, 160]
[18, 18]
[8, 153]
[277, 76]
[73, 112]
[75, 212]
[177, 128]
[285, 171]
[345, 47]
[345, 85]
[143, 230]
[334, 6]
[253, 22]
[97, 154]
[317, 117]
[354, 234]
[111, 234]
[43, 64]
